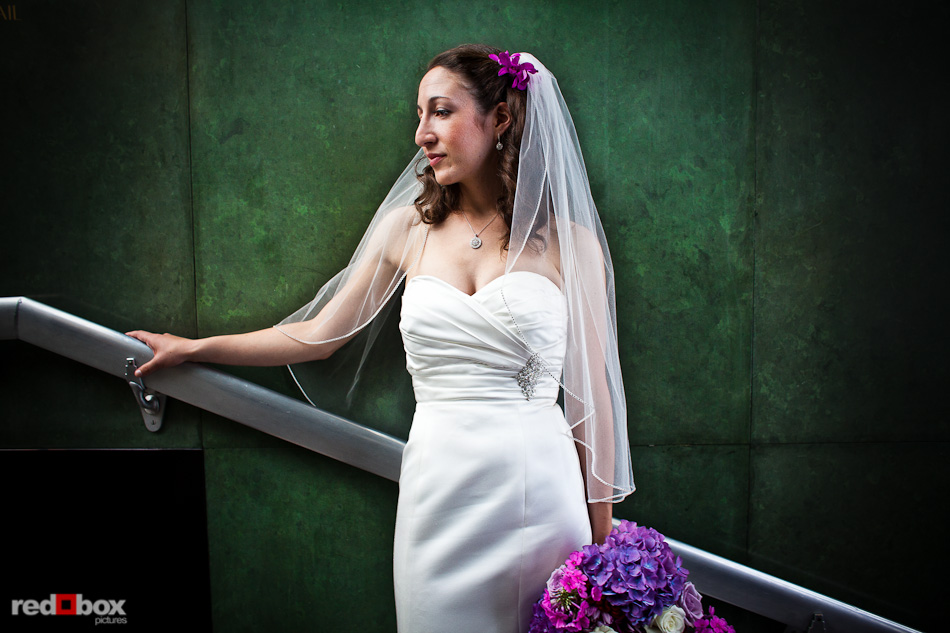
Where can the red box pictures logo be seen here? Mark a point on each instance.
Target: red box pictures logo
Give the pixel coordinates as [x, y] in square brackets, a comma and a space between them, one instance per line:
[106, 611]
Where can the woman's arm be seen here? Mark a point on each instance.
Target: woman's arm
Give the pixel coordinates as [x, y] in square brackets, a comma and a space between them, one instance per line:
[601, 520]
[586, 369]
[600, 513]
[337, 322]
[270, 346]
[261, 348]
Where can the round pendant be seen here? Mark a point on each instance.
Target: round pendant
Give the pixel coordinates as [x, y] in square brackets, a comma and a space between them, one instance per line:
[476, 242]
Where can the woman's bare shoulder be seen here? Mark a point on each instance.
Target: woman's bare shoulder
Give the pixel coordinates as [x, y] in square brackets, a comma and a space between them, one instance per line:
[582, 239]
[399, 233]
[400, 219]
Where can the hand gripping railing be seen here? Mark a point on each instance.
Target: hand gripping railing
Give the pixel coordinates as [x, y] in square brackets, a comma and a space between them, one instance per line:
[378, 453]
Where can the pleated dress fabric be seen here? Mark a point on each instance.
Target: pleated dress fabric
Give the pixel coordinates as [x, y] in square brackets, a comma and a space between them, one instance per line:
[491, 498]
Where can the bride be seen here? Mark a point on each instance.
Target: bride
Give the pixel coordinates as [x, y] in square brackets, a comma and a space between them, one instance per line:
[508, 301]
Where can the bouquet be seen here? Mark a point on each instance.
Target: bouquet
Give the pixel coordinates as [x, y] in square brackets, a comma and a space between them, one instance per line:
[631, 584]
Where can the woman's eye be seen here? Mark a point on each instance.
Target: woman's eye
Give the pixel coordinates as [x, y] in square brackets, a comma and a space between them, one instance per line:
[441, 112]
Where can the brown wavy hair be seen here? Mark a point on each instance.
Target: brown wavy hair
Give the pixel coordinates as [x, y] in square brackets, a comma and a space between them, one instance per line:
[479, 74]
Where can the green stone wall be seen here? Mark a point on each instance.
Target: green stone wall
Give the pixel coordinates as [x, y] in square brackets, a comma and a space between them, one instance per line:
[769, 175]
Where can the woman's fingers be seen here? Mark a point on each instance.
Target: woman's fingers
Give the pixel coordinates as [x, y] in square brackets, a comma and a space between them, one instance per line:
[152, 340]
[140, 335]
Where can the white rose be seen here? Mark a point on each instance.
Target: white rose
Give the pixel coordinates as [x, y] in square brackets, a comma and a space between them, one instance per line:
[603, 628]
[672, 620]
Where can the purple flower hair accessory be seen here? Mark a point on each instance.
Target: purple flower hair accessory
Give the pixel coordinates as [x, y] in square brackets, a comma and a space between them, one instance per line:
[509, 65]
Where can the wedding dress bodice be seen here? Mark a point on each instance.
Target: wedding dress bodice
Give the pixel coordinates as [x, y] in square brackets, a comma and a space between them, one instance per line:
[477, 350]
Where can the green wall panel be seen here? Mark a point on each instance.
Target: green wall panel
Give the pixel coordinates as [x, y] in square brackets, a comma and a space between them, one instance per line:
[298, 542]
[850, 317]
[696, 494]
[297, 137]
[830, 516]
[96, 167]
[849, 325]
[96, 206]
[679, 205]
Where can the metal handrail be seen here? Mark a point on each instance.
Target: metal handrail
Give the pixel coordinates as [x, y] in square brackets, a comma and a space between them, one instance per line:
[381, 454]
[775, 598]
[203, 387]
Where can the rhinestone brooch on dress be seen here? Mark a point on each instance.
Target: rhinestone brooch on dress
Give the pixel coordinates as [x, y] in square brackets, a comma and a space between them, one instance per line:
[529, 375]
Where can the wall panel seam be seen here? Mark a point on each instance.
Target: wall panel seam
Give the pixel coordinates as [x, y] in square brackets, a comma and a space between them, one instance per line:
[756, 37]
[191, 197]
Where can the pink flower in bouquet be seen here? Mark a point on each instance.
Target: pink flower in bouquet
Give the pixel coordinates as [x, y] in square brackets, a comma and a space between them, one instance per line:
[564, 606]
[713, 624]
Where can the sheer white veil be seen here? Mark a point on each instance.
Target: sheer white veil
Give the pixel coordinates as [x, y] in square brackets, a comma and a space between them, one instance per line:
[553, 216]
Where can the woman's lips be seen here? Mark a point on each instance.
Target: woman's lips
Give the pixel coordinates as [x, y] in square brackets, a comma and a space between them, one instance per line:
[435, 158]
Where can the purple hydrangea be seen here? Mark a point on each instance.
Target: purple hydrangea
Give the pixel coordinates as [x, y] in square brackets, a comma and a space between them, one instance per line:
[634, 572]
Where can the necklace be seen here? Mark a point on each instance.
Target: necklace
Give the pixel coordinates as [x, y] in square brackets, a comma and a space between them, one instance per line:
[477, 241]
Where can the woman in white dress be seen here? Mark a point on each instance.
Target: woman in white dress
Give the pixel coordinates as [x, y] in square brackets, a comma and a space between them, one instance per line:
[508, 298]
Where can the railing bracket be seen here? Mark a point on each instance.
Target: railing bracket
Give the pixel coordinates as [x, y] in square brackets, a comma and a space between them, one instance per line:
[151, 403]
[816, 625]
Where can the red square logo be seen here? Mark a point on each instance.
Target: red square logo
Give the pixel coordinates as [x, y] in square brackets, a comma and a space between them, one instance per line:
[65, 604]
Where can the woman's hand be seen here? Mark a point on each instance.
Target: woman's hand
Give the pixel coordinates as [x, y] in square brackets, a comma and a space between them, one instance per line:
[169, 350]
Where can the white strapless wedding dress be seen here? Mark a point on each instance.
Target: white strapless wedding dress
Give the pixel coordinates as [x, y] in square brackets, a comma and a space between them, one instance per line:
[491, 498]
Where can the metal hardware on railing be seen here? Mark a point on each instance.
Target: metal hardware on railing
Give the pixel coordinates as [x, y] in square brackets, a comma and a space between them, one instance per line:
[152, 404]
[381, 454]
[817, 624]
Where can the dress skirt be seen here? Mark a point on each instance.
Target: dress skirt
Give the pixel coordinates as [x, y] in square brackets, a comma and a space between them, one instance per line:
[491, 501]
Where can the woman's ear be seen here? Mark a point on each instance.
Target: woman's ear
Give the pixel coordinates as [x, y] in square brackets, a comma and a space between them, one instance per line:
[502, 118]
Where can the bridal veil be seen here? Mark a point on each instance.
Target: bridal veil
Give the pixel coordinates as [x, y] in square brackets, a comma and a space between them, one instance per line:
[553, 207]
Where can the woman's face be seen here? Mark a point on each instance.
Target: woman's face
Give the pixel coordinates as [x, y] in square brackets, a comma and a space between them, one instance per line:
[458, 140]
